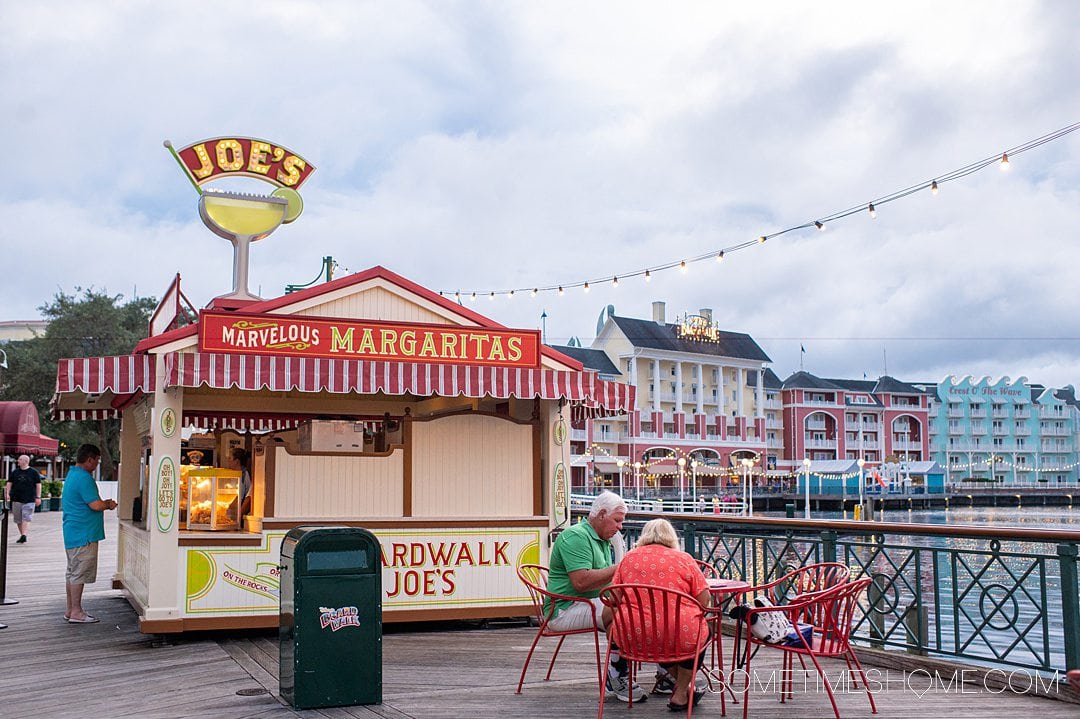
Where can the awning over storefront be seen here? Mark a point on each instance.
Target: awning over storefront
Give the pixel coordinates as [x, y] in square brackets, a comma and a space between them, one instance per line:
[20, 431]
[109, 380]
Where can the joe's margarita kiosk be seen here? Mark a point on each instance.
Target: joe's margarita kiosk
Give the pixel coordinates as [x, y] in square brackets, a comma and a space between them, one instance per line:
[366, 401]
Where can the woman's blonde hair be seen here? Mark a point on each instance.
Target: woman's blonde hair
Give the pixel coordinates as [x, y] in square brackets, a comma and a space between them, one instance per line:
[658, 531]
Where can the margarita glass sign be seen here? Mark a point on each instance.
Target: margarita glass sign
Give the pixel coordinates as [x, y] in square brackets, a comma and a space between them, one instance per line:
[238, 217]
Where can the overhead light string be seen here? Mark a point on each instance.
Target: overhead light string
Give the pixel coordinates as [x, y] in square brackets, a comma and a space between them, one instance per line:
[870, 207]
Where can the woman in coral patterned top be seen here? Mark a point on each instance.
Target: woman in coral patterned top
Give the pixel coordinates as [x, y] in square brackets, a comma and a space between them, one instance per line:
[657, 560]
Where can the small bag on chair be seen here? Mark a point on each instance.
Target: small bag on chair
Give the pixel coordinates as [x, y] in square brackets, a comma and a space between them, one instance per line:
[769, 627]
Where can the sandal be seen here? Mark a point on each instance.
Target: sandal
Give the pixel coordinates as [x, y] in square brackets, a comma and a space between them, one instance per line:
[699, 694]
[85, 620]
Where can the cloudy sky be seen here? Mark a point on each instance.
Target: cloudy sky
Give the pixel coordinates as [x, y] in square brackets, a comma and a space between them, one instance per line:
[495, 145]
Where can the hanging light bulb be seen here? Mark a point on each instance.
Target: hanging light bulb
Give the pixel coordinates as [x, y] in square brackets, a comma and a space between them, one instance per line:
[933, 187]
[535, 290]
[440, 293]
[761, 240]
[586, 286]
[560, 291]
[818, 224]
[492, 297]
[1004, 161]
[473, 298]
[873, 212]
[511, 295]
[720, 256]
[457, 296]
[682, 266]
[614, 281]
[648, 275]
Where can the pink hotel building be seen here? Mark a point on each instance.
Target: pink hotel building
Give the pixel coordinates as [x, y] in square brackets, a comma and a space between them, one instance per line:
[707, 397]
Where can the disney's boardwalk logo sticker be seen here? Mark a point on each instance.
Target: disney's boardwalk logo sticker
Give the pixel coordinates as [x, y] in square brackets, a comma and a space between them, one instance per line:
[338, 618]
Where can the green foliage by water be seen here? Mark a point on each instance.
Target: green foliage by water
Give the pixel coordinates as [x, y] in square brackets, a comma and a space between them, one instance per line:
[88, 323]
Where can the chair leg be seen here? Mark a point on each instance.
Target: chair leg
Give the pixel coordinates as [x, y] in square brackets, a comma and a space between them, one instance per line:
[528, 658]
[866, 684]
[607, 658]
[554, 656]
[825, 681]
[746, 689]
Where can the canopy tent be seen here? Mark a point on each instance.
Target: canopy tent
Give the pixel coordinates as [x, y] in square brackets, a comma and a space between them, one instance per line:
[20, 431]
[99, 387]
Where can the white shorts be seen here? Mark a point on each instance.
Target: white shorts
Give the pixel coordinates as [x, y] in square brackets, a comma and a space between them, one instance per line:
[579, 616]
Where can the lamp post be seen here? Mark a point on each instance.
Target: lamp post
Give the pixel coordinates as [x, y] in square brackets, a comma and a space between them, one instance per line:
[682, 487]
[621, 464]
[637, 480]
[693, 479]
[862, 480]
[806, 480]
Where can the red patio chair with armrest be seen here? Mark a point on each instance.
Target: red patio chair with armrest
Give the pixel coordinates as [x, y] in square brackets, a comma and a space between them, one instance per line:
[830, 612]
[535, 577]
[645, 625]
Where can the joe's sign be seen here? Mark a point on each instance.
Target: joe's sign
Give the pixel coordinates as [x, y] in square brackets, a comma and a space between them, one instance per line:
[367, 340]
[208, 160]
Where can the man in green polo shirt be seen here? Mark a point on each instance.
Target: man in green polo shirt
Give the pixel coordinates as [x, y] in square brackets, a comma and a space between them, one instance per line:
[581, 565]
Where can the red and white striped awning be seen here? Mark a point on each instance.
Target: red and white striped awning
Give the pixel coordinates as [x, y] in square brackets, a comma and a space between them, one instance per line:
[128, 374]
[105, 383]
[342, 376]
[123, 374]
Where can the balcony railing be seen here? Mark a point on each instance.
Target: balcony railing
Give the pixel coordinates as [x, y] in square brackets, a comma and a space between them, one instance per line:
[820, 443]
[1004, 597]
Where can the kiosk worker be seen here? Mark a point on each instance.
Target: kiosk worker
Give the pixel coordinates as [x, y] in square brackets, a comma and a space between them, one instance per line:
[23, 490]
[581, 565]
[84, 527]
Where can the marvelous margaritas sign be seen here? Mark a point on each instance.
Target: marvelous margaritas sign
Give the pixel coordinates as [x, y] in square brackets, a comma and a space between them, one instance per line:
[366, 340]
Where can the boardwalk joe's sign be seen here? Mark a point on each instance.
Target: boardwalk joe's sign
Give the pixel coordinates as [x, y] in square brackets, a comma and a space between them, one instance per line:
[294, 336]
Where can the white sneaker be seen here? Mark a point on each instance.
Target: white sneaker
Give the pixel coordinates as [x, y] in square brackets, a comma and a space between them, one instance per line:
[623, 689]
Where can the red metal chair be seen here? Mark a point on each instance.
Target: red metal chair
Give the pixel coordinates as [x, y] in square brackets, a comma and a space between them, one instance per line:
[709, 569]
[535, 577]
[1074, 678]
[830, 612]
[804, 580]
[646, 622]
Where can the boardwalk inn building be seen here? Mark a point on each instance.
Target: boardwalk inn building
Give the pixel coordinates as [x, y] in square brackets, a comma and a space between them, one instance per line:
[706, 415]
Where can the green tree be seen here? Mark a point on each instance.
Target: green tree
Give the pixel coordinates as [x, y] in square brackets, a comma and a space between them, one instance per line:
[88, 323]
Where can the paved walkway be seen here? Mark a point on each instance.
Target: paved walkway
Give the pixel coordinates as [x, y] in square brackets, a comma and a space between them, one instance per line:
[49, 668]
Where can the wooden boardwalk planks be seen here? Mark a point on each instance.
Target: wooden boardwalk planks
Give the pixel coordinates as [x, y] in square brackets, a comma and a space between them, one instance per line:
[49, 668]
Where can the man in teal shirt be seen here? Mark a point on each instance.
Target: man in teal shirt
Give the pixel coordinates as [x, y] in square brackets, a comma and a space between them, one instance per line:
[84, 527]
[580, 566]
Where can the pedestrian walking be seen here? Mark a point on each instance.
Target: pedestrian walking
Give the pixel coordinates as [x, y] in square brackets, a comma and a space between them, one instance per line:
[23, 491]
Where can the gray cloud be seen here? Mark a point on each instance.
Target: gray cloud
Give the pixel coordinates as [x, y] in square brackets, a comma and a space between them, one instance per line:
[491, 145]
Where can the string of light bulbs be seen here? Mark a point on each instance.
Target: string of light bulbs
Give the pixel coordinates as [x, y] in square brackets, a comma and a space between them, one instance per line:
[1002, 160]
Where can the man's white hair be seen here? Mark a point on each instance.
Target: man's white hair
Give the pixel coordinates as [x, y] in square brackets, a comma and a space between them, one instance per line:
[607, 501]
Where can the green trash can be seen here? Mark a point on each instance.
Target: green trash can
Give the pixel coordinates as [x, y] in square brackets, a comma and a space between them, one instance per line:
[789, 510]
[331, 617]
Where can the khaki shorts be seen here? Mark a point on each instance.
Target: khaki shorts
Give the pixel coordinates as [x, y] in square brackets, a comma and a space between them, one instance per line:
[82, 564]
[579, 616]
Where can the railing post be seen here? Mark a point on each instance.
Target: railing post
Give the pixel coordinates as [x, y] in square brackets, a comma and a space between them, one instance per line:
[690, 540]
[828, 546]
[1070, 604]
[915, 623]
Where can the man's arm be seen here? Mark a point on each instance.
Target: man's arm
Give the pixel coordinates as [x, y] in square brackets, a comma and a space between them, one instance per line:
[100, 505]
[589, 580]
